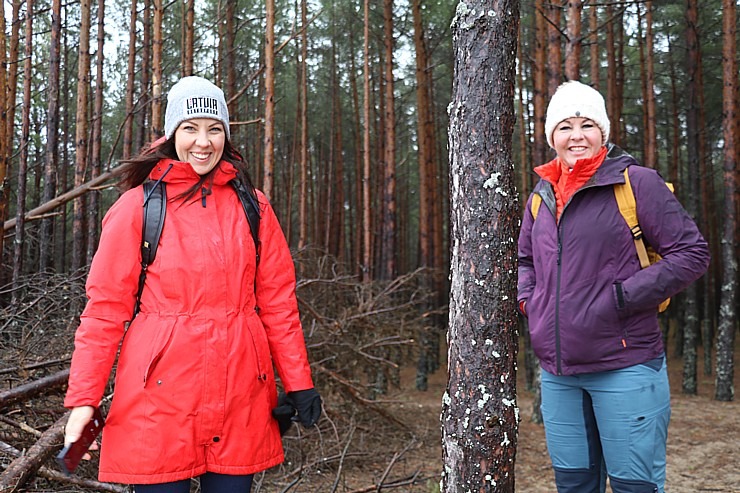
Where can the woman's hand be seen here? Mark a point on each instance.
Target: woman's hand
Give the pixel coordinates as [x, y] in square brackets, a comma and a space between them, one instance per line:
[78, 418]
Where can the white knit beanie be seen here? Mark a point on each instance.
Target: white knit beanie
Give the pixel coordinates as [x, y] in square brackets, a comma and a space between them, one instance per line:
[574, 99]
[194, 97]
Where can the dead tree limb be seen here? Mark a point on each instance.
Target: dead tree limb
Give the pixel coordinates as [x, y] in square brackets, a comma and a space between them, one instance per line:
[67, 196]
[25, 466]
[30, 389]
[35, 366]
[48, 473]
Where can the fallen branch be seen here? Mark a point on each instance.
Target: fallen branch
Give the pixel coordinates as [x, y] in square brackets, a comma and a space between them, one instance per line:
[48, 473]
[355, 395]
[35, 366]
[25, 466]
[28, 390]
[395, 484]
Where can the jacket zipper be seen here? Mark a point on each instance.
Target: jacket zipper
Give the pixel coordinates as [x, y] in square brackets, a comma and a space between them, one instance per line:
[557, 304]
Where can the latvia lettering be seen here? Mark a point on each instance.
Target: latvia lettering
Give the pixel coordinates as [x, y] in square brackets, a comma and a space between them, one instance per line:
[199, 105]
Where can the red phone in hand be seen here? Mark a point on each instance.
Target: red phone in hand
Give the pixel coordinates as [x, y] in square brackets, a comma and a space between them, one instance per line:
[71, 455]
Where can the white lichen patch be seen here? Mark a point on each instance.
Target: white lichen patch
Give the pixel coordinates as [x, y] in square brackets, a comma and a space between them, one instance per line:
[492, 182]
[505, 442]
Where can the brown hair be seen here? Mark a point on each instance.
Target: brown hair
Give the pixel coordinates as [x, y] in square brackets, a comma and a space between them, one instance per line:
[139, 167]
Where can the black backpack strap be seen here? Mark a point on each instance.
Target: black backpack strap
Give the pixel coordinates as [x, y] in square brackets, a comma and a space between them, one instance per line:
[155, 206]
[252, 210]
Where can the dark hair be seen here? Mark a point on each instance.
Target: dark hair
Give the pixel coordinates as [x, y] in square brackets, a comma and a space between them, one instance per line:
[139, 167]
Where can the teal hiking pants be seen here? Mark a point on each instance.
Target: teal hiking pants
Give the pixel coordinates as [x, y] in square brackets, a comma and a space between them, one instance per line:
[611, 423]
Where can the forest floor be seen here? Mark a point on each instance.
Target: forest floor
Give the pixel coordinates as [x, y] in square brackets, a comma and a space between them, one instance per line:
[703, 441]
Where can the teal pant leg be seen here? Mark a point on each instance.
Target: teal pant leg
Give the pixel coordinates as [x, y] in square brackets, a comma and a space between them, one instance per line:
[620, 416]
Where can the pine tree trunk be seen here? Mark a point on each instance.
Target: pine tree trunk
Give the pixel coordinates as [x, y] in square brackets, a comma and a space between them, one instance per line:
[691, 305]
[651, 149]
[554, 48]
[142, 109]
[573, 43]
[303, 149]
[81, 136]
[93, 204]
[188, 29]
[539, 75]
[156, 123]
[388, 243]
[593, 18]
[5, 158]
[724, 388]
[229, 57]
[60, 236]
[4, 143]
[24, 145]
[479, 413]
[46, 239]
[355, 188]
[366, 212]
[268, 165]
[128, 126]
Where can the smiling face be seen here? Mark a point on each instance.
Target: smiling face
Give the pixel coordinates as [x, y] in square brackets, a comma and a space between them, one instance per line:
[200, 142]
[576, 138]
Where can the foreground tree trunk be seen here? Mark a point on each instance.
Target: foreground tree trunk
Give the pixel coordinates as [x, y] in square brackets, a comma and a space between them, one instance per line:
[479, 412]
[724, 390]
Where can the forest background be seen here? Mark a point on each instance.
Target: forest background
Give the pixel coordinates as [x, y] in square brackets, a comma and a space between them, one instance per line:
[340, 108]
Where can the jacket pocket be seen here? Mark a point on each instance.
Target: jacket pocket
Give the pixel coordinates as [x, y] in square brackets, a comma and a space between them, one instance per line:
[163, 342]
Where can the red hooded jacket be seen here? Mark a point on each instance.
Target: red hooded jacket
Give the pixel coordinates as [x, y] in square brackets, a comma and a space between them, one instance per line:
[194, 383]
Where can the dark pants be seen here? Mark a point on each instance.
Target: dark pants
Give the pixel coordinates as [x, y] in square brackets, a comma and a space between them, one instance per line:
[209, 483]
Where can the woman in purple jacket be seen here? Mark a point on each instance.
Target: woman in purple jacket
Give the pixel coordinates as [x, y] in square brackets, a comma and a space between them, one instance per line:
[592, 309]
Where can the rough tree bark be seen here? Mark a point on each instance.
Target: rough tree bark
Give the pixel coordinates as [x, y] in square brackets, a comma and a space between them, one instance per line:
[268, 166]
[724, 389]
[81, 135]
[24, 145]
[128, 125]
[651, 149]
[366, 212]
[303, 197]
[4, 143]
[25, 466]
[46, 239]
[156, 123]
[573, 40]
[93, 203]
[691, 305]
[479, 412]
[188, 37]
[388, 244]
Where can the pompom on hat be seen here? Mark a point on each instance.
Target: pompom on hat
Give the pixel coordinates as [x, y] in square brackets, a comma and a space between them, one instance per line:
[573, 99]
[195, 97]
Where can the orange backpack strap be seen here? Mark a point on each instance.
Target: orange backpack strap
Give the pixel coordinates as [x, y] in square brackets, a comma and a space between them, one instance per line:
[534, 206]
[628, 208]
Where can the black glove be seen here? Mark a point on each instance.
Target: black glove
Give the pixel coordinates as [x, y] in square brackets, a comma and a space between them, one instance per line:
[308, 405]
[283, 413]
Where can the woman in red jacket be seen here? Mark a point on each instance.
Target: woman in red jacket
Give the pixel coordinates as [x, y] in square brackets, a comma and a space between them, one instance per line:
[194, 384]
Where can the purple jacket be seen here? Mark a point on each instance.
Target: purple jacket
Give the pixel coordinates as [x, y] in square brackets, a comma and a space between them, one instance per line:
[590, 306]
